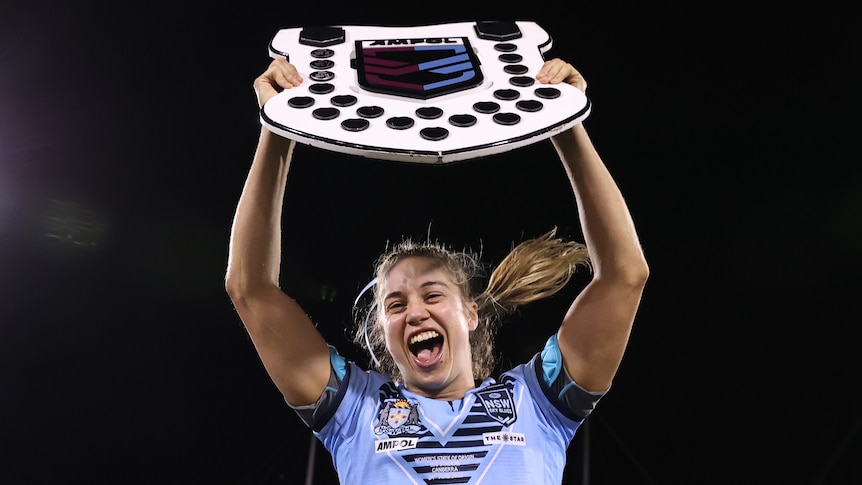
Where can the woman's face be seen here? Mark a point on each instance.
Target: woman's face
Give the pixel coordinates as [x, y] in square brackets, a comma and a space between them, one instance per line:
[427, 325]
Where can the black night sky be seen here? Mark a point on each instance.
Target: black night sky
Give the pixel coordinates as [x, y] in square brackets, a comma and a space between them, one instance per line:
[125, 135]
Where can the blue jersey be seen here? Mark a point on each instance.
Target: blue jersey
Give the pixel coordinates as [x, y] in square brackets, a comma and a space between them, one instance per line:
[515, 430]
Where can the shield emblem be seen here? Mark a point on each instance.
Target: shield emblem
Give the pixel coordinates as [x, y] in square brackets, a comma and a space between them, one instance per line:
[420, 68]
[499, 404]
[397, 416]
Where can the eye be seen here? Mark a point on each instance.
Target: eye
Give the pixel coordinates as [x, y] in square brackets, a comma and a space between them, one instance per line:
[432, 297]
[395, 306]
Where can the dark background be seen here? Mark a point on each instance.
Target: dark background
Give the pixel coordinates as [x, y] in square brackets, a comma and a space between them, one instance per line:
[125, 136]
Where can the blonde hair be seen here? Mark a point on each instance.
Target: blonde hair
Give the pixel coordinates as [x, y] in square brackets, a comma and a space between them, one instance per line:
[534, 269]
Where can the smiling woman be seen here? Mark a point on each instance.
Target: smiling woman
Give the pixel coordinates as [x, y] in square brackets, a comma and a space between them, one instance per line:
[430, 411]
[417, 279]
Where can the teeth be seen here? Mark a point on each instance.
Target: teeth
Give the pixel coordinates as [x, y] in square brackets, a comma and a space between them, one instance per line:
[424, 336]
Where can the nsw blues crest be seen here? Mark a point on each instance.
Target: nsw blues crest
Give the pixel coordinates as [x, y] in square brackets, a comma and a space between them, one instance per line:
[499, 404]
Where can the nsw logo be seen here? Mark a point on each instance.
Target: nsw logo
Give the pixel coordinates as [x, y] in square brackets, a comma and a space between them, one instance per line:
[499, 404]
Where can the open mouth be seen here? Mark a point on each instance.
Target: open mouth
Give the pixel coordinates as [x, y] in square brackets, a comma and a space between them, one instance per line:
[426, 347]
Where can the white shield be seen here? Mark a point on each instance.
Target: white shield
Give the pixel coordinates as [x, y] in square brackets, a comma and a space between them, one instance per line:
[397, 416]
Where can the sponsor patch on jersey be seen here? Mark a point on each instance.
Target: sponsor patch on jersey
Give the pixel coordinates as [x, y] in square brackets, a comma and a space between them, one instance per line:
[499, 404]
[504, 438]
[394, 444]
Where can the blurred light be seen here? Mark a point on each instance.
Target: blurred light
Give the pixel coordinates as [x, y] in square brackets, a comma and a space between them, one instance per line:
[318, 291]
[5, 207]
[71, 225]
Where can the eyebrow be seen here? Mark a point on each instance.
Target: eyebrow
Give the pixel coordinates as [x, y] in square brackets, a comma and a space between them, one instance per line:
[422, 286]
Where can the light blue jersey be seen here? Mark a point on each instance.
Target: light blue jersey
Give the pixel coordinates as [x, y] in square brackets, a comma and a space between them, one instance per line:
[516, 430]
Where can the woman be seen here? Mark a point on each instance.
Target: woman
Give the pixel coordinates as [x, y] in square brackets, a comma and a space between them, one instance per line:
[430, 412]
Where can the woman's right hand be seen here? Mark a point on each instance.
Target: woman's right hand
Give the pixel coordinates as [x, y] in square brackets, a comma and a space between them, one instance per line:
[280, 75]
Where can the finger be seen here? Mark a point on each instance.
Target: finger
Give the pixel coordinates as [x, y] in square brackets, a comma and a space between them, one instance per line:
[284, 74]
[554, 71]
[546, 71]
[280, 75]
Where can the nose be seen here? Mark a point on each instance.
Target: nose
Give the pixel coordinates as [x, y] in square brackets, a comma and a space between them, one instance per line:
[416, 312]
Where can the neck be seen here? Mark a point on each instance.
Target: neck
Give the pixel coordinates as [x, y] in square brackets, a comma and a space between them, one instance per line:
[452, 392]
